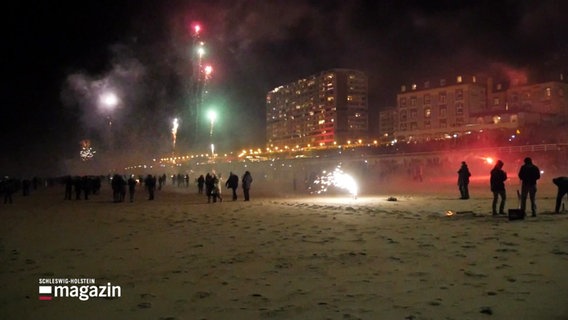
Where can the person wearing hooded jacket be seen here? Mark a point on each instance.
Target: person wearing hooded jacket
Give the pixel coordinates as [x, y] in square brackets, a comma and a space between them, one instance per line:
[529, 174]
[497, 181]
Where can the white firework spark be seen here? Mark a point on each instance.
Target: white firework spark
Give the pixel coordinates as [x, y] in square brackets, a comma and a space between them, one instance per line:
[175, 125]
[338, 179]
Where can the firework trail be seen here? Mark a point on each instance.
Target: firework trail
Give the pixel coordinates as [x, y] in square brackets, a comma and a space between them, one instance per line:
[175, 126]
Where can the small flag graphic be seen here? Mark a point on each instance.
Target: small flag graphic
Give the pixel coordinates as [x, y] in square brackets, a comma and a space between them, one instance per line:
[45, 293]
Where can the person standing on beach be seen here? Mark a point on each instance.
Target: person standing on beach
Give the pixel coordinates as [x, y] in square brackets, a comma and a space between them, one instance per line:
[8, 187]
[209, 186]
[131, 187]
[233, 183]
[562, 184]
[497, 181]
[246, 182]
[529, 174]
[200, 183]
[216, 190]
[463, 181]
[150, 183]
[68, 188]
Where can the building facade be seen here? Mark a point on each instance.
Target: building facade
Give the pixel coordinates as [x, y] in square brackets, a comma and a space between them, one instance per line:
[319, 110]
[447, 109]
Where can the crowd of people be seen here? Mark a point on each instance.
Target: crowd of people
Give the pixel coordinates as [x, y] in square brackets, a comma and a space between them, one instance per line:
[528, 174]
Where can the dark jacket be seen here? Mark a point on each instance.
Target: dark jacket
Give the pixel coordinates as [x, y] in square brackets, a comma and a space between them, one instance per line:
[561, 182]
[232, 182]
[529, 174]
[247, 180]
[463, 175]
[497, 180]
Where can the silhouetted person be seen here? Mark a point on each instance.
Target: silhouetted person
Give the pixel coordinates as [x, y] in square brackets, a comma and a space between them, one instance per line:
[78, 186]
[150, 183]
[87, 186]
[497, 181]
[216, 190]
[161, 181]
[529, 174]
[68, 188]
[8, 187]
[96, 184]
[117, 182]
[233, 183]
[463, 181]
[200, 183]
[562, 184]
[208, 186]
[131, 187]
[246, 183]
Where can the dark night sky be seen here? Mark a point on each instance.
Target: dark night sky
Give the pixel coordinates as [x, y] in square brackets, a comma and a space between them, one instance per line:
[57, 55]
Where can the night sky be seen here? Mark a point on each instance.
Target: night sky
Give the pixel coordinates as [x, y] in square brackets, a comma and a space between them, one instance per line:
[58, 56]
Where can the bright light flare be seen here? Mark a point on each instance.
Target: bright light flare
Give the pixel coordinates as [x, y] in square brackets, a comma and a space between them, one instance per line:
[337, 179]
[109, 100]
[489, 160]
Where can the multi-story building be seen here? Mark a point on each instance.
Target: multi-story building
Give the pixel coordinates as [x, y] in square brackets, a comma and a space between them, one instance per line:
[319, 110]
[449, 109]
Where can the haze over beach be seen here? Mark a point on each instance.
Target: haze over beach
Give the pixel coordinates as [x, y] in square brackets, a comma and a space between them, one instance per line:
[286, 255]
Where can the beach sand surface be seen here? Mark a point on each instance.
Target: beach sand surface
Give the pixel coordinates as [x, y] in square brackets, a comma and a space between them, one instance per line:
[284, 257]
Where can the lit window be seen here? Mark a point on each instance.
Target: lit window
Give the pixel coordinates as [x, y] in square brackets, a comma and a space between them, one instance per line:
[548, 92]
[459, 79]
[442, 98]
[414, 86]
[427, 113]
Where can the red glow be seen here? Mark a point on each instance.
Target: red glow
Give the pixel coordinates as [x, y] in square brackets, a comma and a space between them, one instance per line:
[196, 29]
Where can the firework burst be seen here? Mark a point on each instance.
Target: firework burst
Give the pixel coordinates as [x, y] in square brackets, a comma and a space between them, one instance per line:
[87, 152]
[338, 179]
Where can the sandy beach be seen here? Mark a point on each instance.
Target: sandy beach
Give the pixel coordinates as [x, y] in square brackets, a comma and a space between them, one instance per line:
[287, 257]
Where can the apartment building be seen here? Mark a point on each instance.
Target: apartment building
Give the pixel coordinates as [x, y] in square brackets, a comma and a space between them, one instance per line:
[324, 109]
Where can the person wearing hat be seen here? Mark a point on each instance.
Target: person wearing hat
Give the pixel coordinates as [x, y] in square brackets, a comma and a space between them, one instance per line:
[529, 174]
[497, 181]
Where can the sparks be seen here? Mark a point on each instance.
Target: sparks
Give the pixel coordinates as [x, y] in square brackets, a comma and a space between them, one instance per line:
[338, 179]
[87, 152]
